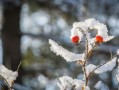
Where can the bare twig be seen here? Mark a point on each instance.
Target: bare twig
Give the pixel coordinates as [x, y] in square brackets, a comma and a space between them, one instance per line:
[19, 66]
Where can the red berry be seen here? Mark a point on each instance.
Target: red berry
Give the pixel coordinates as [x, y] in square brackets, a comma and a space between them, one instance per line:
[75, 39]
[99, 39]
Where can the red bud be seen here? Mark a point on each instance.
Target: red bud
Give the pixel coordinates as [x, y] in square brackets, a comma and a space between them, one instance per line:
[99, 39]
[75, 39]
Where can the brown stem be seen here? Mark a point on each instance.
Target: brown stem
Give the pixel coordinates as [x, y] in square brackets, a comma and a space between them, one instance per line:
[86, 81]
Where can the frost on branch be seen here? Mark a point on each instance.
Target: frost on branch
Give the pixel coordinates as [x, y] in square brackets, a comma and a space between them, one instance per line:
[104, 68]
[8, 75]
[67, 83]
[107, 67]
[69, 56]
[101, 86]
[75, 32]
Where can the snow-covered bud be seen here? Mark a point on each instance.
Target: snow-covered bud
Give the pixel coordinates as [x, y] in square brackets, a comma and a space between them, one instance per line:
[99, 39]
[75, 39]
[76, 34]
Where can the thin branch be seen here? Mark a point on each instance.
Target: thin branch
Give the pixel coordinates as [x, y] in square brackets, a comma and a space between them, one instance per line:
[19, 66]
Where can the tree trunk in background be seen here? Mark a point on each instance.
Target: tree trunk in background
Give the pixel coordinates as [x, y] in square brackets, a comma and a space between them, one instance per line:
[11, 37]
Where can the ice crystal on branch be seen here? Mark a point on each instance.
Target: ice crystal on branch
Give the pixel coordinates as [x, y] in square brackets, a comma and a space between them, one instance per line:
[8, 75]
[67, 55]
[102, 68]
[67, 83]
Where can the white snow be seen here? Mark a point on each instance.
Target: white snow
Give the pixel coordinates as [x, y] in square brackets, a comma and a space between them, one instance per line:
[67, 83]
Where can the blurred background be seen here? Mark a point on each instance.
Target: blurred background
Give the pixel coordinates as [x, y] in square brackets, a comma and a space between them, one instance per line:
[26, 26]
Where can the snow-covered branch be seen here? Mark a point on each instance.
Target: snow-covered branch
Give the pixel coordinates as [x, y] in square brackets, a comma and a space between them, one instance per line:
[67, 55]
[107, 66]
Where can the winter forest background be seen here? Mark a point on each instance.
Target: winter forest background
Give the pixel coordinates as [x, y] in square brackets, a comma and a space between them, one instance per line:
[27, 25]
